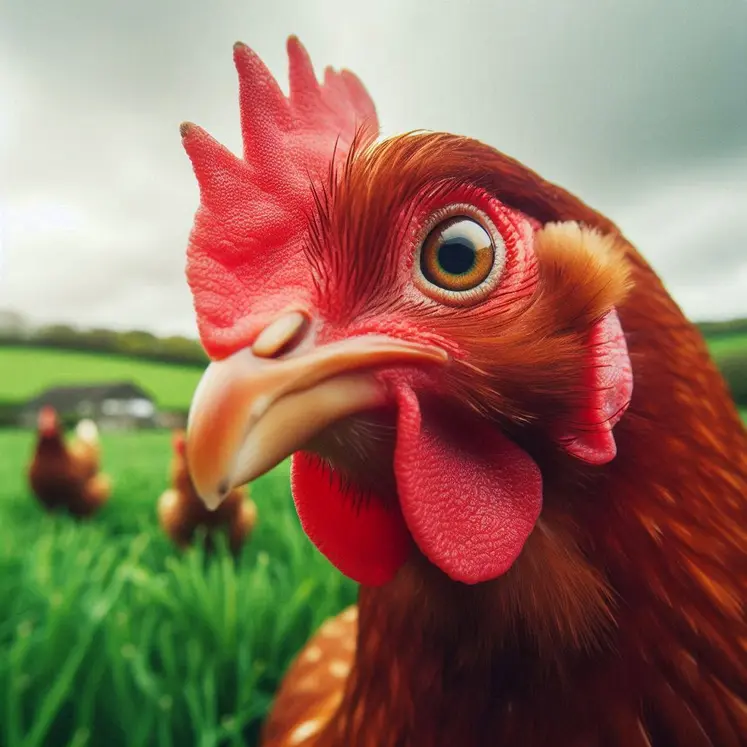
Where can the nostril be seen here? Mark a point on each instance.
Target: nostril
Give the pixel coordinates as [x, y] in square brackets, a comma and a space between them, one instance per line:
[280, 335]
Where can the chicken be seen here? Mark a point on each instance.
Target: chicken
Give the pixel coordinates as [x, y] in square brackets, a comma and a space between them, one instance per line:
[66, 475]
[501, 426]
[181, 512]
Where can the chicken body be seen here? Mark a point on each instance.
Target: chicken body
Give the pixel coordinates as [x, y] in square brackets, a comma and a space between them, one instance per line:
[66, 475]
[529, 461]
[181, 512]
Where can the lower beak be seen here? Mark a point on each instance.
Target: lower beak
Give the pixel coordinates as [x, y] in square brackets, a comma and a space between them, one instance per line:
[249, 413]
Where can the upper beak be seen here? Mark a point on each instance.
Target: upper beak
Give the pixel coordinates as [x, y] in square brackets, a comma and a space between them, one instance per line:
[255, 408]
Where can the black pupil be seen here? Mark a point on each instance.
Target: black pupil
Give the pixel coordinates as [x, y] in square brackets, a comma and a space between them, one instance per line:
[457, 255]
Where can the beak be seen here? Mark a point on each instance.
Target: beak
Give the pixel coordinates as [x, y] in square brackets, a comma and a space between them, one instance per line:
[250, 411]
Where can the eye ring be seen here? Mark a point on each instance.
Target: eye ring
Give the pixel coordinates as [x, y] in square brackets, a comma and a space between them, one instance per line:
[460, 257]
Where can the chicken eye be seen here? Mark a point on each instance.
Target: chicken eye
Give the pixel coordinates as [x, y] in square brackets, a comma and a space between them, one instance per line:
[462, 256]
[457, 255]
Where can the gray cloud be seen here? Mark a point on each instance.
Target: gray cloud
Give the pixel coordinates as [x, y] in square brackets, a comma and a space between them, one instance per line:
[638, 107]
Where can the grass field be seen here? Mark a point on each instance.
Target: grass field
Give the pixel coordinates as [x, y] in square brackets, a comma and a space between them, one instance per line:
[109, 636]
[25, 372]
[727, 343]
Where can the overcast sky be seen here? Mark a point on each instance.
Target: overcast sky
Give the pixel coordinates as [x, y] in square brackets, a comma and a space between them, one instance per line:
[637, 106]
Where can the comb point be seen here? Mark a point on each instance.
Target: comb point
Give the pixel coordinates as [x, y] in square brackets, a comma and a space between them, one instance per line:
[301, 74]
[296, 50]
[185, 128]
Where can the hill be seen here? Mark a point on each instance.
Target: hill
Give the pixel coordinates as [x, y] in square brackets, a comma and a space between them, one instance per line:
[15, 330]
[728, 344]
[26, 371]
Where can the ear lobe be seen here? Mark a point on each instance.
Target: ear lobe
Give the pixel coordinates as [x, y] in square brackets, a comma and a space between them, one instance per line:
[608, 388]
[585, 277]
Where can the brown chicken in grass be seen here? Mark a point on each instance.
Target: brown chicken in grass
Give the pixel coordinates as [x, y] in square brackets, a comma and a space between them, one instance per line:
[181, 512]
[501, 424]
[66, 475]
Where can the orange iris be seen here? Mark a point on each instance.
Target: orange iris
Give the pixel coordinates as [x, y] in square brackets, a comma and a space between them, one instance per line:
[457, 255]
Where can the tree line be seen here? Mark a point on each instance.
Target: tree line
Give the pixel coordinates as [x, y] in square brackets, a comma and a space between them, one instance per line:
[723, 329]
[133, 344]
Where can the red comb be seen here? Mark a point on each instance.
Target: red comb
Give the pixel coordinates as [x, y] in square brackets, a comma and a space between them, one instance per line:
[245, 259]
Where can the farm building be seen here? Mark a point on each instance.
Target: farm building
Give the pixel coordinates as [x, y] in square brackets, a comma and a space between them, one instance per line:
[113, 405]
[171, 420]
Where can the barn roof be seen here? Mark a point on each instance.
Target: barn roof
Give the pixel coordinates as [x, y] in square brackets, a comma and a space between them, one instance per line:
[68, 397]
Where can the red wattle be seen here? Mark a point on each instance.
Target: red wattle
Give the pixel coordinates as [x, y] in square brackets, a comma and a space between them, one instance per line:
[367, 540]
[469, 495]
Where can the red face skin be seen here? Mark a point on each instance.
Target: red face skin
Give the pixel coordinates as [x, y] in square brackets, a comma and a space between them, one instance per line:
[420, 442]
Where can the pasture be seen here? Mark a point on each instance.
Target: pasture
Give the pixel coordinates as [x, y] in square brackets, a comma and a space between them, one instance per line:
[25, 371]
[727, 344]
[110, 636]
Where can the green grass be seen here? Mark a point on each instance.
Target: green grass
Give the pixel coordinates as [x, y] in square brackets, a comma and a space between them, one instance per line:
[24, 372]
[110, 636]
[730, 343]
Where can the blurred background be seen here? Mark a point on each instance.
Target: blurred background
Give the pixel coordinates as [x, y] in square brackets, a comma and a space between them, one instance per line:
[106, 631]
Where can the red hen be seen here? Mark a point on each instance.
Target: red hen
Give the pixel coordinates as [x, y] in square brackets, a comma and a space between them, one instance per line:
[181, 512]
[501, 424]
[66, 475]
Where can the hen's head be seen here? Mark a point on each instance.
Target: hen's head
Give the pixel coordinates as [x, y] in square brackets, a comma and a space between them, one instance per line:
[420, 322]
[48, 423]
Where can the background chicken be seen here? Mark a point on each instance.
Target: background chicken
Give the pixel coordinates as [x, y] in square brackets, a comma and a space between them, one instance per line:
[501, 425]
[181, 512]
[66, 475]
